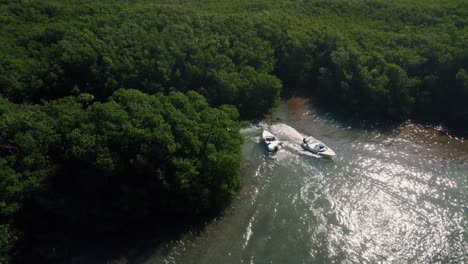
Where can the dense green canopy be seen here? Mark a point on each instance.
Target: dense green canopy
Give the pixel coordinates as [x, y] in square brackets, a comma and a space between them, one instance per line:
[102, 165]
[374, 57]
[77, 148]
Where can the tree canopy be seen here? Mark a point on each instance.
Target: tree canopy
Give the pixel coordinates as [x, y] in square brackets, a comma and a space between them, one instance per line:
[375, 58]
[84, 164]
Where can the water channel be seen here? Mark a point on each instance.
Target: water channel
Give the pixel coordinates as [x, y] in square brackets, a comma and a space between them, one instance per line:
[392, 194]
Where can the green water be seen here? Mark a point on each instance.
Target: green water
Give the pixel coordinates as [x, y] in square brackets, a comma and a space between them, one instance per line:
[391, 195]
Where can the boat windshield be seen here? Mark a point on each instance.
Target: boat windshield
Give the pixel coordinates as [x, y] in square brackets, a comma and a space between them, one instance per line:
[269, 139]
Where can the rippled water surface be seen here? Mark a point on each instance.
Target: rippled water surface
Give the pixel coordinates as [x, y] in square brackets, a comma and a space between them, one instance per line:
[392, 195]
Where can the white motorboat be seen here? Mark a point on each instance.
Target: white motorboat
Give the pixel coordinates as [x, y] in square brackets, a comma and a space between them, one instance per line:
[317, 147]
[272, 142]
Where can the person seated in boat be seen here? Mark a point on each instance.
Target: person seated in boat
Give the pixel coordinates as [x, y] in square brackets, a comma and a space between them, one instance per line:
[320, 147]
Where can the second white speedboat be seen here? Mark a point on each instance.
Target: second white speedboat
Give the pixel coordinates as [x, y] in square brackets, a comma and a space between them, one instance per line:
[272, 142]
[317, 147]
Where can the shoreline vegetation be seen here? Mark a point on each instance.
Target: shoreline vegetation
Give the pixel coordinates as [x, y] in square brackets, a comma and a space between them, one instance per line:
[114, 112]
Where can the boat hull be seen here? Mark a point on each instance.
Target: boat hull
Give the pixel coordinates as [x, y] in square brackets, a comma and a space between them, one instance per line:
[273, 147]
[271, 141]
[326, 153]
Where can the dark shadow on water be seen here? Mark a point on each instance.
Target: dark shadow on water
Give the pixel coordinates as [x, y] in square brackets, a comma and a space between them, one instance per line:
[133, 244]
[337, 115]
[138, 243]
[333, 113]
